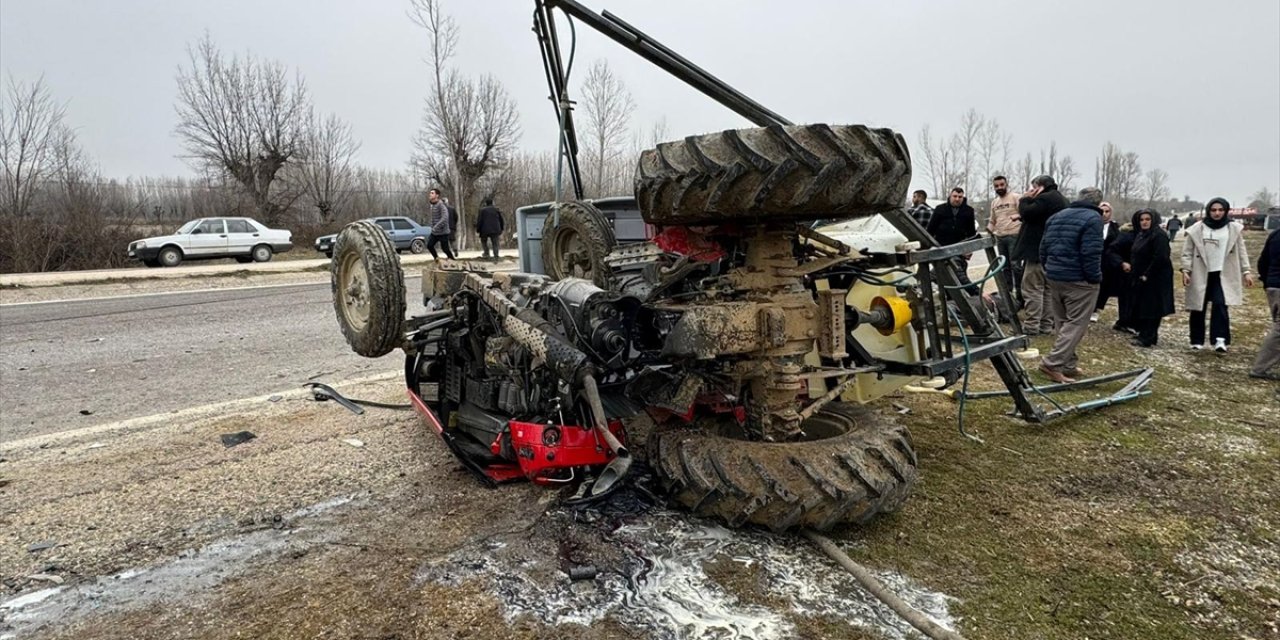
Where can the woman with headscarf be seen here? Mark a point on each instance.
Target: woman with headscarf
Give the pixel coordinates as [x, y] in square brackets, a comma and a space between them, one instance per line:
[1214, 263]
[1116, 265]
[1114, 280]
[1151, 271]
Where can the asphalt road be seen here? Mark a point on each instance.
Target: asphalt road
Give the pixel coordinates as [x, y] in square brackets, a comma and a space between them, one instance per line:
[126, 357]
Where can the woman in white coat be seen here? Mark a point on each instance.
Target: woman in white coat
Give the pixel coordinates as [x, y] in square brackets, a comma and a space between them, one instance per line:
[1214, 264]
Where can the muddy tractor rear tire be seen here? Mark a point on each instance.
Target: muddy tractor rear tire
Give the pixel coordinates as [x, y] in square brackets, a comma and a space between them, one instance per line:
[368, 289]
[575, 246]
[859, 464]
[801, 172]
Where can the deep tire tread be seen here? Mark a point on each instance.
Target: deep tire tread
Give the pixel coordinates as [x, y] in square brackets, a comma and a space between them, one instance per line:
[847, 478]
[384, 332]
[800, 172]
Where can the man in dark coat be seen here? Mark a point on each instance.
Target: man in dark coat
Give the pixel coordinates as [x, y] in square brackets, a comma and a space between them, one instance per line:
[1151, 271]
[1269, 270]
[489, 227]
[452, 240]
[954, 221]
[1114, 281]
[1071, 256]
[1173, 226]
[1035, 207]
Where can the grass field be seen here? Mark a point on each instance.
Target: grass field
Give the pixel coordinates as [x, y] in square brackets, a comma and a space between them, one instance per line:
[1155, 519]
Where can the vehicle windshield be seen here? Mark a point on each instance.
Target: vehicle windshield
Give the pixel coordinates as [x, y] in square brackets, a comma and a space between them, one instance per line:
[187, 228]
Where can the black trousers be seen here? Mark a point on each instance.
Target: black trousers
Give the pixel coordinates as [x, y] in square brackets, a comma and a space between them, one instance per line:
[1148, 330]
[1219, 318]
[443, 241]
[489, 243]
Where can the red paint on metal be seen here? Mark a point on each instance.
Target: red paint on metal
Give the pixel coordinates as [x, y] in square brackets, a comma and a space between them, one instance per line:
[577, 447]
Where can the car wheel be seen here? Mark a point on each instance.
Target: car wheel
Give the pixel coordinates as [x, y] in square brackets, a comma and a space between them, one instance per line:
[261, 253]
[418, 246]
[170, 256]
[244, 259]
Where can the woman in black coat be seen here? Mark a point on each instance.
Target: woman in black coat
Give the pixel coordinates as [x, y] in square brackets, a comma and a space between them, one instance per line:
[1151, 270]
[1116, 267]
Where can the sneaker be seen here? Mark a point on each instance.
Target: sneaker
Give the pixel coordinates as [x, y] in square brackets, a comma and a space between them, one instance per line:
[1197, 347]
[1220, 345]
[1094, 317]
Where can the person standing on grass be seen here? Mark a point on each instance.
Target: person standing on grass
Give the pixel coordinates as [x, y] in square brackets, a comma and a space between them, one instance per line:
[1035, 207]
[1114, 281]
[1118, 257]
[1214, 262]
[952, 222]
[438, 214]
[1269, 271]
[920, 210]
[1151, 271]
[1071, 255]
[1003, 223]
[452, 240]
[1173, 226]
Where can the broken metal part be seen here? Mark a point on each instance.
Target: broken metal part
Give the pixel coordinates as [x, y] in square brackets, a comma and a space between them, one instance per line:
[322, 392]
[831, 326]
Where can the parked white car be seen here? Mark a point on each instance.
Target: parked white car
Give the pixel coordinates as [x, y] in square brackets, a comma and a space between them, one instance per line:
[244, 239]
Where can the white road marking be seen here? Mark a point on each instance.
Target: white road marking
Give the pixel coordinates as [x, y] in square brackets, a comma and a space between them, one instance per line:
[145, 422]
[126, 296]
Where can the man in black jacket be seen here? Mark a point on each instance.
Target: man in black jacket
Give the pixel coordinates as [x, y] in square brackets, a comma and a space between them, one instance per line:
[954, 221]
[1071, 257]
[1035, 208]
[1269, 270]
[489, 226]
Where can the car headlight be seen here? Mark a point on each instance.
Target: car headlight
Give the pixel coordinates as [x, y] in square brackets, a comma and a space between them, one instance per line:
[140, 244]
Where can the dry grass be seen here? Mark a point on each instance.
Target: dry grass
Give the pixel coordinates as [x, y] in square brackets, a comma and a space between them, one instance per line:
[1154, 519]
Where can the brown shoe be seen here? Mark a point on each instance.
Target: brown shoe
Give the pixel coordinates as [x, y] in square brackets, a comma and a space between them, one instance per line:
[1073, 373]
[1054, 374]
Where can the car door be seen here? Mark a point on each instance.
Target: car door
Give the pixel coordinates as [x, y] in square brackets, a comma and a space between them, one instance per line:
[209, 238]
[386, 225]
[404, 232]
[240, 236]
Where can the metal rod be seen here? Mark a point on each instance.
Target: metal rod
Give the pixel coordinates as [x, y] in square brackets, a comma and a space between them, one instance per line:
[1065, 386]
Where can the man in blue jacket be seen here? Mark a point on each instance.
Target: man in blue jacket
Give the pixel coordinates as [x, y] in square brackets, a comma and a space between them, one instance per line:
[1269, 270]
[1071, 254]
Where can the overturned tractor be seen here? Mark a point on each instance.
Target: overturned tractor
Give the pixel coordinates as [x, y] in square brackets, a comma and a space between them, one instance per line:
[783, 288]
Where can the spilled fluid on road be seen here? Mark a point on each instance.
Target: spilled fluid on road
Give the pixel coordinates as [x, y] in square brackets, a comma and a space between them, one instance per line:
[660, 581]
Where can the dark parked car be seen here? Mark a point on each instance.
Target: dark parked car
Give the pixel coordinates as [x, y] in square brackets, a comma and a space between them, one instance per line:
[404, 233]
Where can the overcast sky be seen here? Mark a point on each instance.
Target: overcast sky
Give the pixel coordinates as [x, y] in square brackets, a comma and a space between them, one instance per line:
[1192, 86]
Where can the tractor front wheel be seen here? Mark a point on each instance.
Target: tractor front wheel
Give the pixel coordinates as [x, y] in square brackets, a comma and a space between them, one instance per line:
[368, 289]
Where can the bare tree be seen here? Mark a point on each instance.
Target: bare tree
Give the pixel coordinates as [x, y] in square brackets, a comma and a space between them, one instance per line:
[1157, 186]
[1263, 199]
[965, 148]
[607, 106]
[938, 161]
[31, 128]
[469, 126]
[994, 148]
[1026, 171]
[658, 133]
[244, 118]
[326, 172]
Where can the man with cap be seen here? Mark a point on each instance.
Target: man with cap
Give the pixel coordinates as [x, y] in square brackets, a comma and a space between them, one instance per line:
[1071, 256]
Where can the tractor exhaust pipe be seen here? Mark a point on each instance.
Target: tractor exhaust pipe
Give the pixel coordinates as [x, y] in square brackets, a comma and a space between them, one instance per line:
[621, 463]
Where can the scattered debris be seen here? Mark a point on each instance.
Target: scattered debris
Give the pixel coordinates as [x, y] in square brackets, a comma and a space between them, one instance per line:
[46, 577]
[354, 442]
[240, 437]
[41, 546]
[96, 340]
[96, 445]
[91, 371]
[901, 408]
[275, 398]
[582, 572]
[86, 412]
